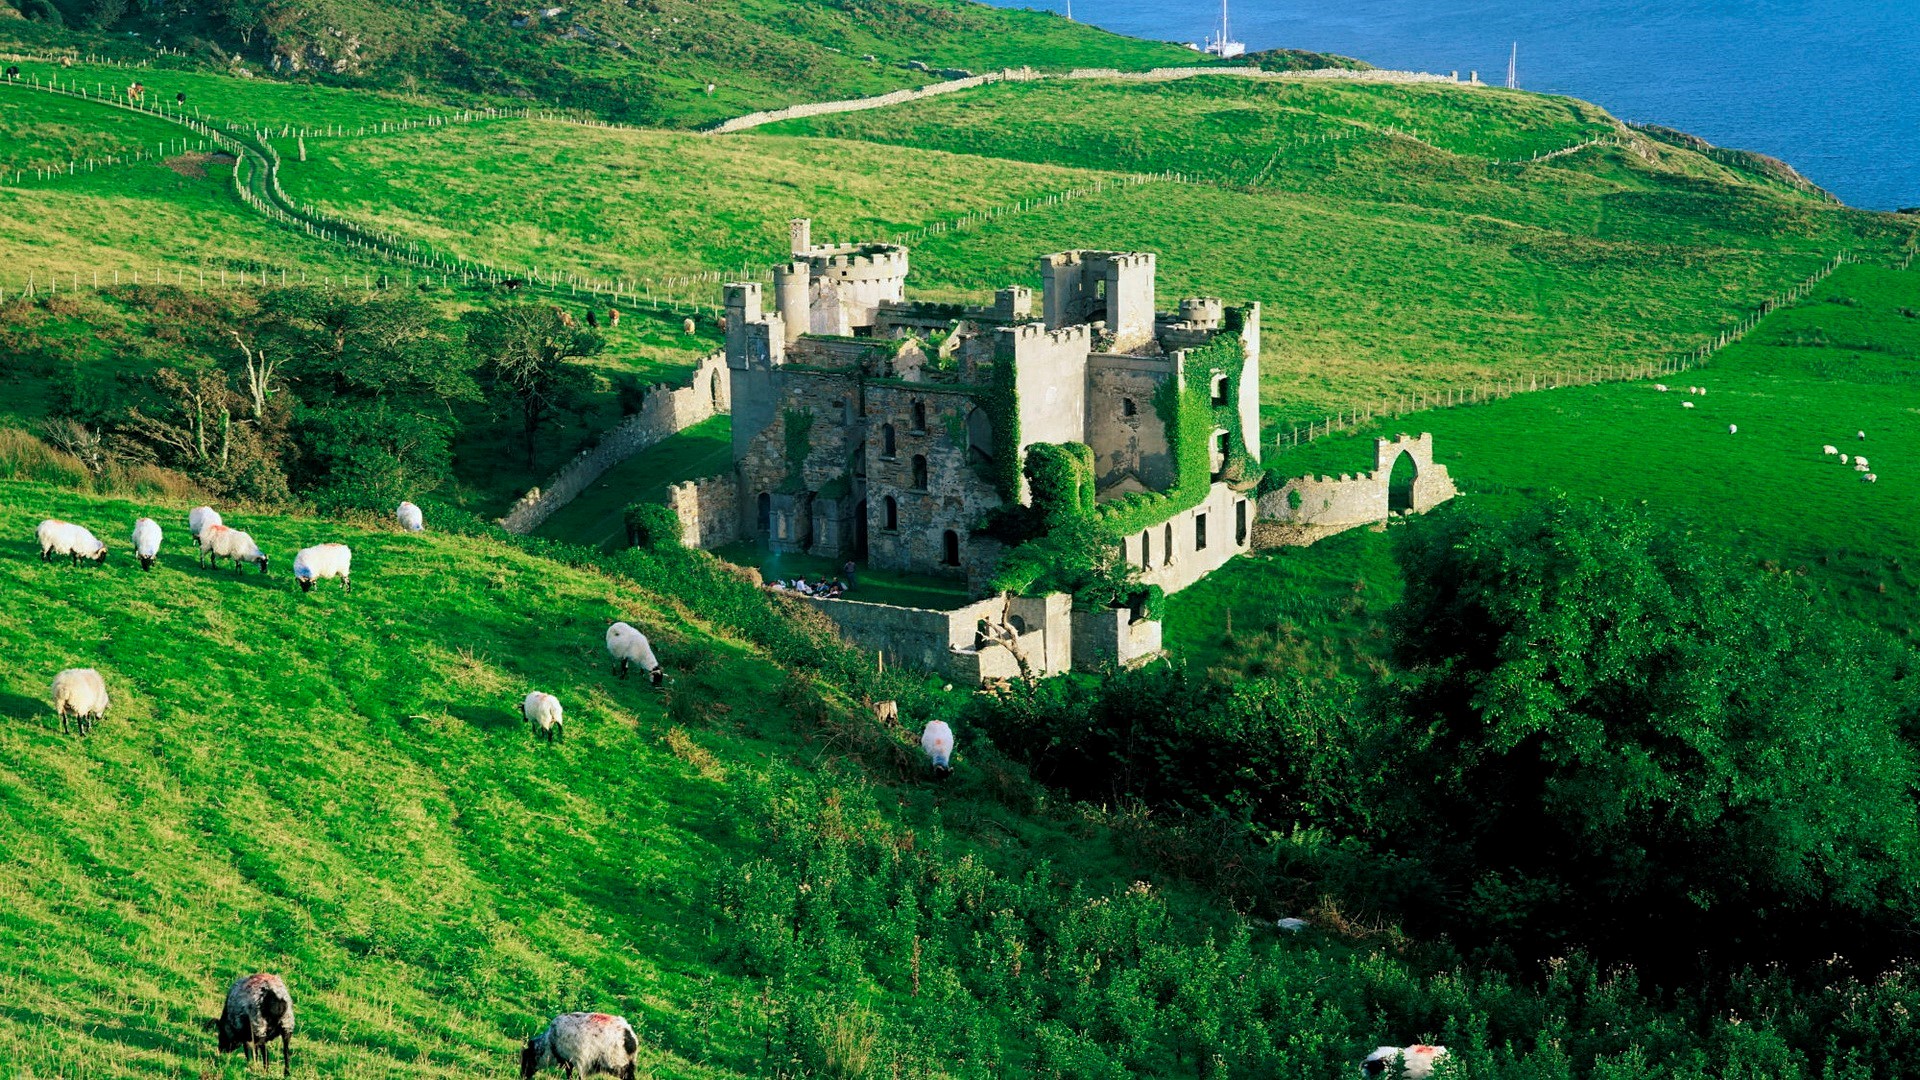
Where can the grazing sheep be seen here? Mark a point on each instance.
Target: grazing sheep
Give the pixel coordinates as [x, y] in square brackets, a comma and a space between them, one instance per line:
[323, 561]
[80, 693]
[628, 646]
[1829, 450]
[409, 517]
[1686, 404]
[887, 713]
[1858, 460]
[583, 1044]
[1291, 926]
[1861, 435]
[1843, 459]
[258, 1011]
[1416, 1062]
[1859, 466]
[1661, 387]
[937, 741]
[62, 538]
[1871, 478]
[1733, 429]
[223, 542]
[543, 712]
[687, 327]
[199, 518]
[146, 542]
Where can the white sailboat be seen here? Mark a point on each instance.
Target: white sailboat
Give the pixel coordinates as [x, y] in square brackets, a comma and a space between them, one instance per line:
[1224, 46]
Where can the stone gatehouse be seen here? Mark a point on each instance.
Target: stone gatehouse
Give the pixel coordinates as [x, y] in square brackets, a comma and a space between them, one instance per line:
[874, 428]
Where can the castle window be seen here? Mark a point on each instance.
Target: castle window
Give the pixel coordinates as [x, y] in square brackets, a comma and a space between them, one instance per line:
[846, 411]
[1166, 546]
[1146, 550]
[920, 472]
[1128, 408]
[860, 461]
[919, 418]
[886, 440]
[766, 511]
[979, 436]
[893, 514]
[1240, 522]
[1219, 390]
[1199, 532]
[1220, 448]
[950, 548]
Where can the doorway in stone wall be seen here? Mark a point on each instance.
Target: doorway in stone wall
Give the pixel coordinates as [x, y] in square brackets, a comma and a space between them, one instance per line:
[1400, 484]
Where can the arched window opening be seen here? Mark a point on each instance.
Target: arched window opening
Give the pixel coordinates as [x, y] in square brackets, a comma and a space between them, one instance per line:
[920, 472]
[765, 514]
[1166, 546]
[886, 440]
[950, 548]
[1400, 484]
[1146, 550]
[1219, 390]
[979, 436]
[919, 418]
[1199, 532]
[1240, 523]
[892, 514]
[1128, 408]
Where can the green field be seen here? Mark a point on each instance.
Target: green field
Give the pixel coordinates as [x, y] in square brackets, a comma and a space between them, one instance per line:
[596, 517]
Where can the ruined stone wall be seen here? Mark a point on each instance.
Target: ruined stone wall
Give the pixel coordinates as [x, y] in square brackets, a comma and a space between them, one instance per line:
[663, 412]
[1170, 555]
[955, 496]
[833, 436]
[1113, 636]
[1332, 503]
[1128, 436]
[1050, 380]
[708, 509]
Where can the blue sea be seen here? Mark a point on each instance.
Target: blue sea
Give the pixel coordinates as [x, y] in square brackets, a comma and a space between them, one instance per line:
[1831, 86]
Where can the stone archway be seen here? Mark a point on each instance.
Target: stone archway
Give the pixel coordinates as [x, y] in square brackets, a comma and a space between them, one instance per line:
[1400, 484]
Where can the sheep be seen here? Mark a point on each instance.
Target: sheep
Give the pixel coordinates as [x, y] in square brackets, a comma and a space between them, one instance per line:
[222, 542]
[146, 542]
[259, 1009]
[1829, 450]
[937, 741]
[887, 713]
[1733, 429]
[1843, 459]
[323, 561]
[409, 517]
[1859, 466]
[628, 646]
[1871, 478]
[80, 693]
[1858, 460]
[199, 518]
[1416, 1062]
[544, 713]
[61, 538]
[583, 1044]
[1861, 435]
[1290, 925]
[1686, 404]
[1660, 387]
[687, 327]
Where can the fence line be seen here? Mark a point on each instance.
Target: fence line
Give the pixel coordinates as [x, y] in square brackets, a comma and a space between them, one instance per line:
[1360, 415]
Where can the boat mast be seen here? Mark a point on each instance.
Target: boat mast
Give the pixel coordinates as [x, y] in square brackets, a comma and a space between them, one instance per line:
[1513, 66]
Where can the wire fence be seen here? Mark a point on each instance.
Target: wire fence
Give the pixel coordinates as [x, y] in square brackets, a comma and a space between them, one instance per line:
[1362, 415]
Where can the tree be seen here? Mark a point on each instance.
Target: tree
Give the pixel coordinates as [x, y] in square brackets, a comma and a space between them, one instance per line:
[526, 350]
[1606, 727]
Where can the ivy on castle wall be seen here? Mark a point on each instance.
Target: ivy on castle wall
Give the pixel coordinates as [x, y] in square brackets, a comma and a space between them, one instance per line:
[1191, 418]
[798, 427]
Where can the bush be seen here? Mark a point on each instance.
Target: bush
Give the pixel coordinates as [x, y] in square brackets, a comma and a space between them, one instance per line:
[652, 525]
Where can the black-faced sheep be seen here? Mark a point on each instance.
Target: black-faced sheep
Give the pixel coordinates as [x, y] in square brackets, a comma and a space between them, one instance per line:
[323, 561]
[259, 1010]
[628, 646]
[583, 1044]
[59, 538]
[146, 542]
[80, 693]
[1416, 1062]
[543, 712]
[937, 741]
[220, 542]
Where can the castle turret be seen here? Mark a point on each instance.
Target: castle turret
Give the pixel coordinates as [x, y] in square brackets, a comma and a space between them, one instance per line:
[790, 287]
[1111, 287]
[800, 235]
[754, 338]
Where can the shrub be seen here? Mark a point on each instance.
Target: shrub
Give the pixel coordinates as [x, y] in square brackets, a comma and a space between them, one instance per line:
[652, 525]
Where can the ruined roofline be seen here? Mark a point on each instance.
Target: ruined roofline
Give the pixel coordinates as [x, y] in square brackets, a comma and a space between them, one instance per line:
[1077, 256]
[887, 259]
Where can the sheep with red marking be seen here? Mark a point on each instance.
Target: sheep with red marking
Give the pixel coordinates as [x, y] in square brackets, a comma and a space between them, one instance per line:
[582, 1044]
[199, 518]
[937, 740]
[259, 1010]
[225, 542]
[58, 538]
[1416, 1062]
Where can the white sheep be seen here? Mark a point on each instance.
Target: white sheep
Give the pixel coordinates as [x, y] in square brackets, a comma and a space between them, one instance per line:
[409, 517]
[583, 1044]
[1686, 404]
[1733, 429]
[259, 1010]
[62, 538]
[1859, 466]
[1290, 925]
[1843, 459]
[1703, 391]
[1858, 460]
[1871, 478]
[937, 741]
[544, 713]
[1861, 435]
[1829, 450]
[146, 542]
[1661, 387]
[199, 518]
[323, 561]
[1416, 1062]
[80, 693]
[224, 542]
[628, 646]
[887, 713]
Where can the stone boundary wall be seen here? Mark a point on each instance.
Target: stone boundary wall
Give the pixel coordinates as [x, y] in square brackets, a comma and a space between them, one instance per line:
[901, 97]
[708, 509]
[664, 412]
[1306, 508]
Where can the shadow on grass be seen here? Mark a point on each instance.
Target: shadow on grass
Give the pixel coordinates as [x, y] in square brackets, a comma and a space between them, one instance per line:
[487, 717]
[32, 710]
[125, 1036]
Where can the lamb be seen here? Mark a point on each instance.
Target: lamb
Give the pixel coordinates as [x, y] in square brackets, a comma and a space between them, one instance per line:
[937, 741]
[1686, 404]
[1661, 387]
[146, 542]
[258, 1011]
[543, 712]
[583, 1044]
[222, 542]
[323, 561]
[628, 646]
[409, 517]
[74, 541]
[82, 694]
[1416, 1062]
[199, 518]
[1829, 450]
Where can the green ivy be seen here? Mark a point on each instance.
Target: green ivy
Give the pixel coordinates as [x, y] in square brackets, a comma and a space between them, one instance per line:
[1002, 404]
[799, 432]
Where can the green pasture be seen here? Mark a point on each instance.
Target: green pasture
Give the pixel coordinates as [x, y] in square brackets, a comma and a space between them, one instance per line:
[596, 517]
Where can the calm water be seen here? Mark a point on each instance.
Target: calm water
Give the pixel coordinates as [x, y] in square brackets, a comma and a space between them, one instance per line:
[1832, 86]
